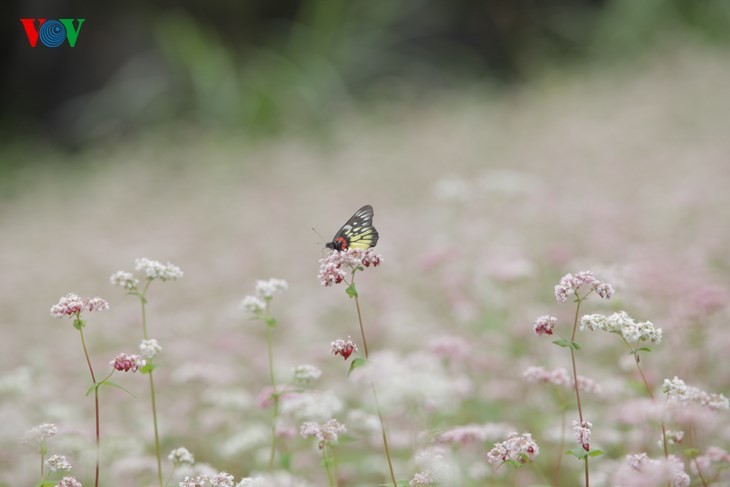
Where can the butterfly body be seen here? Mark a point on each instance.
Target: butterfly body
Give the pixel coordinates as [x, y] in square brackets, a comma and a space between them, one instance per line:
[357, 233]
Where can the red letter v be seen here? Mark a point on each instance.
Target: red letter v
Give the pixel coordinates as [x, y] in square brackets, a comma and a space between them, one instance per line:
[30, 30]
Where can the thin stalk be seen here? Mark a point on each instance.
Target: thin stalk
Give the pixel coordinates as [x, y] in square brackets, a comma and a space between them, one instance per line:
[143, 301]
[561, 448]
[575, 380]
[96, 405]
[275, 393]
[362, 329]
[42, 458]
[329, 460]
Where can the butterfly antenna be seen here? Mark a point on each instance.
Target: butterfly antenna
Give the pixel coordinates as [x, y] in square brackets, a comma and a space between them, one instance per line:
[319, 235]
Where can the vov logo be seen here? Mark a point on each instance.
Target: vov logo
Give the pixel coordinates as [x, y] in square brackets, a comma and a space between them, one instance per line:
[52, 33]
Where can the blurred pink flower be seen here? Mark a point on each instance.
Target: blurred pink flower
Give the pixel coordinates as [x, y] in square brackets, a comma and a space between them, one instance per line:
[517, 447]
[345, 348]
[641, 471]
[570, 284]
[582, 433]
[544, 325]
[325, 433]
[127, 363]
[73, 305]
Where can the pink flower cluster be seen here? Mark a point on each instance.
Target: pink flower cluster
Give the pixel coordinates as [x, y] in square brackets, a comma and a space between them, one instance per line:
[544, 325]
[343, 347]
[582, 433]
[326, 433]
[127, 363]
[334, 268]
[474, 433]
[221, 479]
[421, 479]
[570, 284]
[560, 377]
[517, 447]
[68, 482]
[72, 305]
[639, 470]
[678, 392]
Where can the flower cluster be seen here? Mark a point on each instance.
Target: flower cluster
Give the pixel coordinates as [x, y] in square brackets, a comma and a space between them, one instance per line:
[421, 479]
[544, 325]
[517, 447]
[582, 433]
[124, 280]
[127, 363]
[570, 284]
[343, 347]
[68, 482]
[714, 463]
[560, 377]
[149, 349]
[222, 479]
[306, 374]
[474, 433]
[678, 392]
[181, 456]
[154, 269]
[334, 268]
[326, 433]
[72, 305]
[674, 437]
[58, 463]
[640, 470]
[39, 434]
[624, 325]
[266, 289]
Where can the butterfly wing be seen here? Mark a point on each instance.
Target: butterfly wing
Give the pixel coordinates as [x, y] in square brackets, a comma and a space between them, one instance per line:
[357, 233]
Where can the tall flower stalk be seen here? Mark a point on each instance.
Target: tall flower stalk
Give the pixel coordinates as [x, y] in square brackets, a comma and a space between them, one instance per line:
[152, 270]
[71, 306]
[259, 307]
[342, 266]
[579, 286]
[327, 434]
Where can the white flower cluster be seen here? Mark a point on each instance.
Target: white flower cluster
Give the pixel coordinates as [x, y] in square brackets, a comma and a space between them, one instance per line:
[124, 280]
[639, 470]
[266, 289]
[570, 284]
[326, 433]
[623, 324]
[678, 392]
[40, 433]
[181, 456]
[517, 447]
[58, 463]
[306, 374]
[154, 269]
[149, 349]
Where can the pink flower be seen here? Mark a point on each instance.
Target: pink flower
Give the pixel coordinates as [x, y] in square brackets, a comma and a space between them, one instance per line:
[343, 347]
[570, 284]
[68, 482]
[326, 433]
[334, 268]
[582, 433]
[126, 363]
[639, 471]
[544, 325]
[72, 305]
[517, 447]
[265, 398]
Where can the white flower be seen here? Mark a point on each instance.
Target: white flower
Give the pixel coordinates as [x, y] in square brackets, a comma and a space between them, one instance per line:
[623, 324]
[157, 270]
[266, 289]
[124, 279]
[253, 305]
[149, 348]
[68, 482]
[40, 433]
[306, 374]
[58, 463]
[326, 433]
[181, 456]
[517, 447]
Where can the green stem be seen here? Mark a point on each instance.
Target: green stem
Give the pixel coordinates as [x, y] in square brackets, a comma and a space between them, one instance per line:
[143, 300]
[362, 329]
[42, 458]
[575, 381]
[272, 377]
[96, 404]
[329, 461]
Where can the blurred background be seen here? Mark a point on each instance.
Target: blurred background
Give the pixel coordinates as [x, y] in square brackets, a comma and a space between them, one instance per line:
[502, 143]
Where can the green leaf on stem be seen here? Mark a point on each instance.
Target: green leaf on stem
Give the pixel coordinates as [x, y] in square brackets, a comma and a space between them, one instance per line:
[514, 463]
[358, 362]
[567, 344]
[47, 483]
[581, 454]
[271, 322]
[147, 368]
[351, 291]
[79, 323]
[107, 383]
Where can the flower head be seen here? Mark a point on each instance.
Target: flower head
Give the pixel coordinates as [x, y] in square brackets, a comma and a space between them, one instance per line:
[517, 447]
[68, 482]
[266, 289]
[570, 284]
[421, 479]
[334, 268]
[181, 456]
[544, 325]
[306, 374]
[149, 349]
[253, 305]
[343, 347]
[72, 305]
[39, 434]
[678, 392]
[222, 479]
[582, 433]
[58, 463]
[127, 363]
[157, 270]
[624, 325]
[326, 433]
[639, 470]
[124, 279]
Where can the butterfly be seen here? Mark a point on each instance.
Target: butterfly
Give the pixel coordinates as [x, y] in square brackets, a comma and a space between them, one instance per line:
[357, 233]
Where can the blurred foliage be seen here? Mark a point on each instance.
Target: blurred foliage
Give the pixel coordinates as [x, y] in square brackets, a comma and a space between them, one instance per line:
[261, 68]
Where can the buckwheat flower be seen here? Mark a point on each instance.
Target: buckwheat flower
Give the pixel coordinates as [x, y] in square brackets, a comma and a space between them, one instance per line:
[517, 447]
[582, 432]
[68, 482]
[640, 471]
[544, 325]
[252, 482]
[222, 479]
[157, 270]
[678, 392]
[713, 464]
[266, 289]
[181, 456]
[39, 434]
[474, 433]
[124, 280]
[343, 347]
[326, 433]
[623, 324]
[96, 304]
[149, 349]
[306, 374]
[421, 479]
[334, 268]
[253, 305]
[72, 305]
[127, 363]
[58, 463]
[570, 284]
[673, 438]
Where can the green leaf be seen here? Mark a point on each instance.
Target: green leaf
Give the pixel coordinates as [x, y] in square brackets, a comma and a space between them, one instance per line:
[285, 460]
[595, 453]
[114, 384]
[562, 342]
[351, 291]
[88, 391]
[514, 463]
[358, 362]
[271, 322]
[691, 452]
[643, 349]
[580, 454]
[148, 368]
[79, 323]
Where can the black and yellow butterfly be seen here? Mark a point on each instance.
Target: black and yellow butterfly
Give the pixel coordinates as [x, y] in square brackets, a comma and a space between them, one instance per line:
[357, 233]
